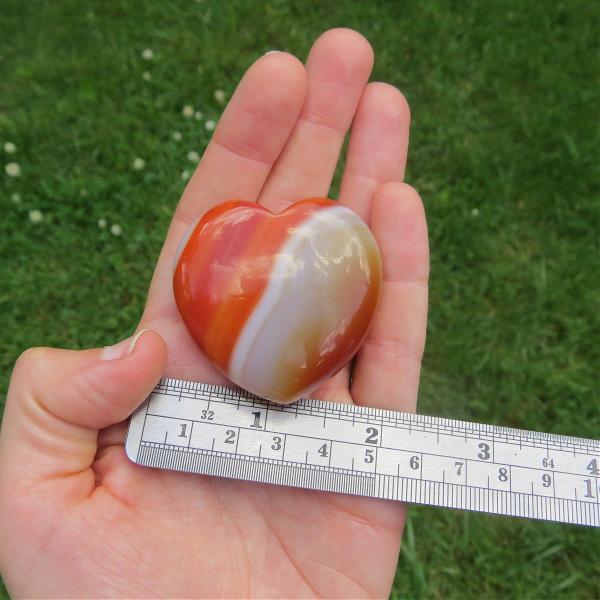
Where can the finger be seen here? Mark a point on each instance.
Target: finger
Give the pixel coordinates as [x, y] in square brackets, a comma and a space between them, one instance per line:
[335, 389]
[378, 146]
[113, 435]
[388, 366]
[248, 139]
[58, 399]
[338, 67]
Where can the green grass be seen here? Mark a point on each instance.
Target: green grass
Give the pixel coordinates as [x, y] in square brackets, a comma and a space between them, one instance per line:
[504, 150]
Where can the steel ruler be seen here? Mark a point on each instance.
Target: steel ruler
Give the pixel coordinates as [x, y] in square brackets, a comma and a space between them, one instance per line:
[214, 430]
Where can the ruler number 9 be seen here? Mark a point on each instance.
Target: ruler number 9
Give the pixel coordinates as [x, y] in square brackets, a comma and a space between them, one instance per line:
[372, 436]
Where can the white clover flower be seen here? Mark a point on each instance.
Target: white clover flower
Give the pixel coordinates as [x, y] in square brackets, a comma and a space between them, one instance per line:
[198, 115]
[13, 169]
[475, 212]
[185, 175]
[116, 230]
[10, 148]
[16, 198]
[187, 111]
[209, 125]
[35, 216]
[102, 223]
[219, 96]
[147, 54]
[176, 135]
[138, 164]
[193, 156]
[146, 76]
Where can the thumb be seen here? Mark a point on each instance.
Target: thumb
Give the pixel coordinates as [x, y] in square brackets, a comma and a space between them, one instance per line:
[59, 399]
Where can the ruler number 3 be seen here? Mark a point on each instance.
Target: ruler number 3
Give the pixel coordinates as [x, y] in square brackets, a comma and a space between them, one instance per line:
[485, 451]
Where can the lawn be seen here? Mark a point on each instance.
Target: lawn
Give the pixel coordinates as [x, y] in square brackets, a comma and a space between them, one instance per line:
[504, 149]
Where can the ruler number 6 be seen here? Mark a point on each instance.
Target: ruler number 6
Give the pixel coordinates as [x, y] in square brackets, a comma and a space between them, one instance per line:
[372, 433]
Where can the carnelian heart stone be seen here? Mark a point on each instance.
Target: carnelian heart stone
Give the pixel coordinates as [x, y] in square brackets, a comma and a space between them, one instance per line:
[278, 302]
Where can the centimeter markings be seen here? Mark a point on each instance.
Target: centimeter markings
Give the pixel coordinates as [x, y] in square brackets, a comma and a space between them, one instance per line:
[214, 430]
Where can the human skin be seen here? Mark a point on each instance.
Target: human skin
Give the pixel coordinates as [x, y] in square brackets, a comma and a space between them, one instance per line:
[78, 519]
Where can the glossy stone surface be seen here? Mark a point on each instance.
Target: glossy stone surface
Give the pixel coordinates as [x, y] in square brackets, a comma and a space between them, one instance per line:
[278, 302]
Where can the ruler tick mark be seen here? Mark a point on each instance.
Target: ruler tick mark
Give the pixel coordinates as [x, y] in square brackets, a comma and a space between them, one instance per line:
[525, 449]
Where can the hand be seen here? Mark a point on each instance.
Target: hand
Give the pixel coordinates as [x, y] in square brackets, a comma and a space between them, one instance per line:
[80, 520]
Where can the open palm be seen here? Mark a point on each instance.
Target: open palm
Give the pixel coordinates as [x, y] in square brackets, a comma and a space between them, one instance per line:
[144, 532]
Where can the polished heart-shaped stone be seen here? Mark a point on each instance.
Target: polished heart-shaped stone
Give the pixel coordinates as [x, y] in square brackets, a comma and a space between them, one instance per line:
[278, 302]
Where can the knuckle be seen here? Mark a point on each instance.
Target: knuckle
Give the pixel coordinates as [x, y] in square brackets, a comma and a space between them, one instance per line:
[31, 360]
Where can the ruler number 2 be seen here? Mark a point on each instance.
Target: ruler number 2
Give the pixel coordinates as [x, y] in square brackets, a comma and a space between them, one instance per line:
[372, 436]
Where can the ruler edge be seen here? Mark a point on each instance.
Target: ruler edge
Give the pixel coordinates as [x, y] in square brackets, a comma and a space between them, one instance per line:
[367, 410]
[409, 502]
[136, 424]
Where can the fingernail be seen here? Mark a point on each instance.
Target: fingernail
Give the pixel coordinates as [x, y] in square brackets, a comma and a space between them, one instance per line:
[124, 348]
[272, 52]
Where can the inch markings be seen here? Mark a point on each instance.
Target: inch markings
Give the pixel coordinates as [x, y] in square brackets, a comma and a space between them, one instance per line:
[214, 430]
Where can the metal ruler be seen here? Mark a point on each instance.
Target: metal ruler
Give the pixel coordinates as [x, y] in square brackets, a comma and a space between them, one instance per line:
[214, 430]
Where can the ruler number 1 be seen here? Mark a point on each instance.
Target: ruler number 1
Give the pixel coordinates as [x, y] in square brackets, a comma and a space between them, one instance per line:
[256, 424]
[588, 488]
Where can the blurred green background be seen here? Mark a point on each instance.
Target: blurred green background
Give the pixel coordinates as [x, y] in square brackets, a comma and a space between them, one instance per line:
[504, 150]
